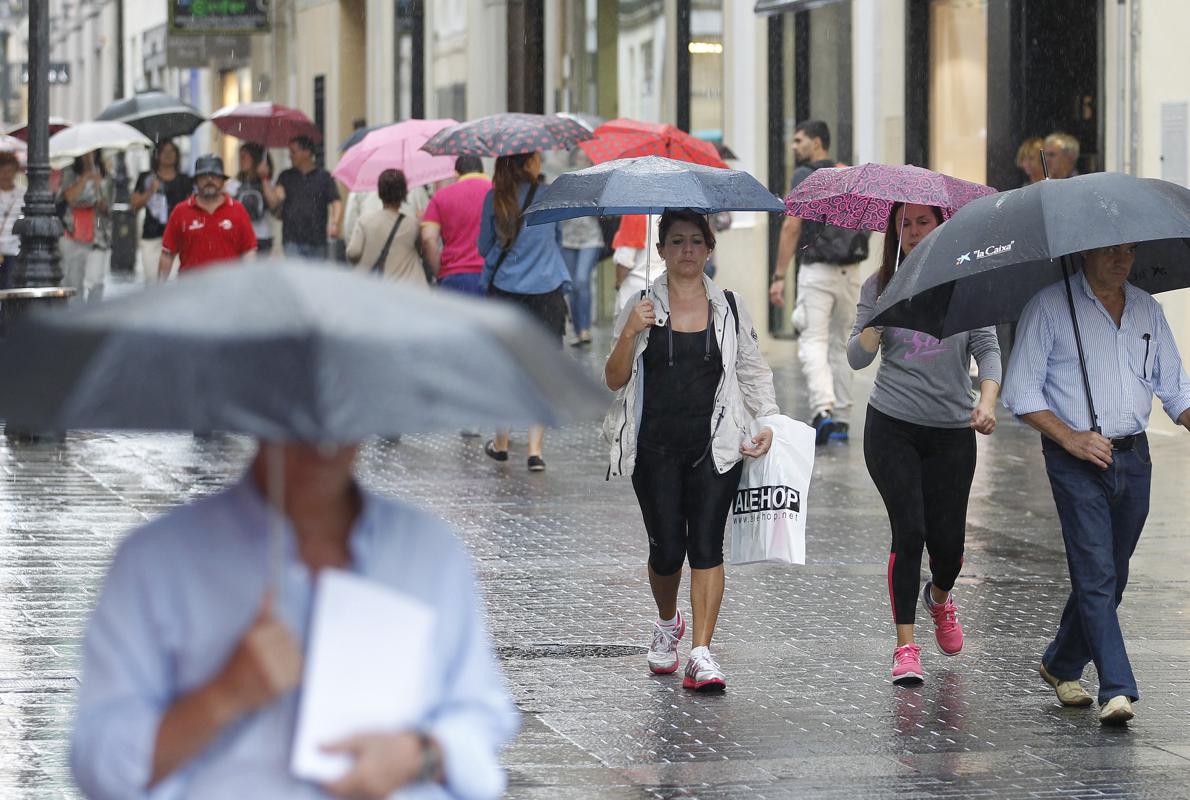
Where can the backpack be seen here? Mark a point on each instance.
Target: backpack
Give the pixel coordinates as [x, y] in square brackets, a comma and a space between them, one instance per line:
[828, 244]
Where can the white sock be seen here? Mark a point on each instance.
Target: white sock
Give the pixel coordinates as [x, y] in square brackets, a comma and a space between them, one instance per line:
[698, 652]
[671, 623]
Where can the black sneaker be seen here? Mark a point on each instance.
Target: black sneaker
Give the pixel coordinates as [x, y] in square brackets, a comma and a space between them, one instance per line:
[841, 433]
[536, 464]
[823, 427]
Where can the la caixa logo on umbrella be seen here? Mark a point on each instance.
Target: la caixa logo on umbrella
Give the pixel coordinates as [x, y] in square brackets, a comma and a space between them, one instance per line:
[975, 255]
[774, 502]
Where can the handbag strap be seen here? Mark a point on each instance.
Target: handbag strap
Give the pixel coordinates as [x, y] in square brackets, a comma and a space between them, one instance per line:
[504, 252]
[378, 267]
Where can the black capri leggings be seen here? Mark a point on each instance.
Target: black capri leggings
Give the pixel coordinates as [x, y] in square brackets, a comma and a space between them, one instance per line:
[684, 505]
[924, 475]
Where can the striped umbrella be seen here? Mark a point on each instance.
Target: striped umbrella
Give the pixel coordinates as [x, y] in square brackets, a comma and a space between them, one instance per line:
[506, 135]
[630, 138]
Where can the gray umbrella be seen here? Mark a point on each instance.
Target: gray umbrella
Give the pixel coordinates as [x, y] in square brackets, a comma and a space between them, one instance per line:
[289, 351]
[650, 185]
[156, 114]
[995, 253]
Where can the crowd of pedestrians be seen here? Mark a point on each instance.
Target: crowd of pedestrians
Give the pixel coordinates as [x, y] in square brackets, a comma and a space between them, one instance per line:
[686, 366]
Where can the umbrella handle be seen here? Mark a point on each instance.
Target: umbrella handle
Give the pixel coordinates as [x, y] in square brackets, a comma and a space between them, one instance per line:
[275, 464]
[1078, 341]
[648, 255]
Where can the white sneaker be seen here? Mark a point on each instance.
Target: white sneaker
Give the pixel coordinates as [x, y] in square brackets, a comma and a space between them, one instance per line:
[663, 652]
[703, 673]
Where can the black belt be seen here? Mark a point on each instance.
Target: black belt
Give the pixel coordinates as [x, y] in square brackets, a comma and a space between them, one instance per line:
[1120, 444]
[1125, 443]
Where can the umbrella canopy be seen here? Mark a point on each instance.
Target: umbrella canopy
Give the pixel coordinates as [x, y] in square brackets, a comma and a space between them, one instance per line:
[328, 356]
[629, 138]
[85, 137]
[994, 254]
[56, 124]
[156, 114]
[267, 124]
[358, 135]
[588, 121]
[649, 185]
[506, 135]
[395, 147]
[11, 144]
[861, 197]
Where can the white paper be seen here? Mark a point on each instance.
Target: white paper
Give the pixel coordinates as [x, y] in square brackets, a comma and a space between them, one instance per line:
[367, 661]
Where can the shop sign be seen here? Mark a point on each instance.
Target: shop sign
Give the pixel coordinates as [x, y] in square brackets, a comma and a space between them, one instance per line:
[163, 50]
[218, 16]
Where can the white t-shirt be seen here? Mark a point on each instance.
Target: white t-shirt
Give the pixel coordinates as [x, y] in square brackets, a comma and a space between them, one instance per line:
[12, 203]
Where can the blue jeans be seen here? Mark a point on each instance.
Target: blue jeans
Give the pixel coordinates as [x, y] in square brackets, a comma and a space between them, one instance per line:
[580, 264]
[1102, 513]
[465, 282]
[305, 250]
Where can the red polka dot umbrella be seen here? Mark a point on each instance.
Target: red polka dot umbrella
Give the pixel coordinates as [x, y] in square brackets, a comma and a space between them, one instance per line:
[506, 135]
[630, 138]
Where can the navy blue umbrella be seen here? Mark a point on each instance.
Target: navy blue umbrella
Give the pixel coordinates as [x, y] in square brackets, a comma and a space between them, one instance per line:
[650, 185]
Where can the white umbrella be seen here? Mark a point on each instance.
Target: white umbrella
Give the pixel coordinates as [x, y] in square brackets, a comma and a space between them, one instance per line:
[11, 144]
[85, 137]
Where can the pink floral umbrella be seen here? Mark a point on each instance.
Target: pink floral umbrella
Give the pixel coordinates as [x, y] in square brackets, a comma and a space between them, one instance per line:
[860, 198]
[395, 147]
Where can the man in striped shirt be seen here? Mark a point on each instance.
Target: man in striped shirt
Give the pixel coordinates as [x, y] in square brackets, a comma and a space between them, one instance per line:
[1100, 481]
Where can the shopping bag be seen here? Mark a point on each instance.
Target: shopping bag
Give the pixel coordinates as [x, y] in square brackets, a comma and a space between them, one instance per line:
[768, 517]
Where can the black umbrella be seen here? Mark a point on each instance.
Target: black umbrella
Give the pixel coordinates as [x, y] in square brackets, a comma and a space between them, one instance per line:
[289, 351]
[156, 114]
[995, 253]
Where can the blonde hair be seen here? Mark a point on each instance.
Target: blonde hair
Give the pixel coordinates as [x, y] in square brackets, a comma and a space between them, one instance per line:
[1033, 145]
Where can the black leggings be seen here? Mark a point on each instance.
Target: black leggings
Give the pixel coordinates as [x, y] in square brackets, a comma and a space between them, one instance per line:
[924, 475]
[684, 505]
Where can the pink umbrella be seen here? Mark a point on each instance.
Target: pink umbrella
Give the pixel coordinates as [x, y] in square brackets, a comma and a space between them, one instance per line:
[860, 198]
[267, 124]
[395, 147]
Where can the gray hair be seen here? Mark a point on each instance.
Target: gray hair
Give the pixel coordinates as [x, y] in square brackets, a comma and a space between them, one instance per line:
[1067, 143]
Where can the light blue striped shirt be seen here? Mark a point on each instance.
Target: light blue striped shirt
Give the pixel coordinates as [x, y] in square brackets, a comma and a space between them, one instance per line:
[1124, 367]
[180, 594]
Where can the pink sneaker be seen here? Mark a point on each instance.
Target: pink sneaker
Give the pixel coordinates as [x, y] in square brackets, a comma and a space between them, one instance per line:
[947, 629]
[907, 669]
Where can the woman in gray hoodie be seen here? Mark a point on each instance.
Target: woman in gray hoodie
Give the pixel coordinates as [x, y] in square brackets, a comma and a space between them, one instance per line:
[919, 444]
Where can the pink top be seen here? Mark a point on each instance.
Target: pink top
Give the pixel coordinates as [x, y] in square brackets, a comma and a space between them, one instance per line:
[457, 210]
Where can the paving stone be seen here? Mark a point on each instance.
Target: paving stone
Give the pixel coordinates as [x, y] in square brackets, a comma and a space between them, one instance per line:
[560, 556]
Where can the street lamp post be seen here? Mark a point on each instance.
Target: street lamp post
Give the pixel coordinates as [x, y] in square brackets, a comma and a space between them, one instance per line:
[40, 227]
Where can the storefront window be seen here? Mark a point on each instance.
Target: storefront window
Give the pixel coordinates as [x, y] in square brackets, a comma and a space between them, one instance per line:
[578, 78]
[958, 88]
[449, 58]
[641, 52]
[706, 69]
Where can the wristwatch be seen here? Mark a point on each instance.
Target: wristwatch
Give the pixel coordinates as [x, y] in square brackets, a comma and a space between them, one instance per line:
[431, 770]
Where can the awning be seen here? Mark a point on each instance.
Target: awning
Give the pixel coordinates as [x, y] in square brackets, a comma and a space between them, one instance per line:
[780, 6]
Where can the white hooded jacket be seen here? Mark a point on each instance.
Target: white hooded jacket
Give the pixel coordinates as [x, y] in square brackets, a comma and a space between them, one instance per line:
[745, 391]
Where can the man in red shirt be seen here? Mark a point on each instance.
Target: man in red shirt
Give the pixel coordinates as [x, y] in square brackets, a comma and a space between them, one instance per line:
[208, 227]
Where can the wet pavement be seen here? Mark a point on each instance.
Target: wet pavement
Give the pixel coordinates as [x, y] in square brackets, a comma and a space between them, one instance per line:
[809, 711]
